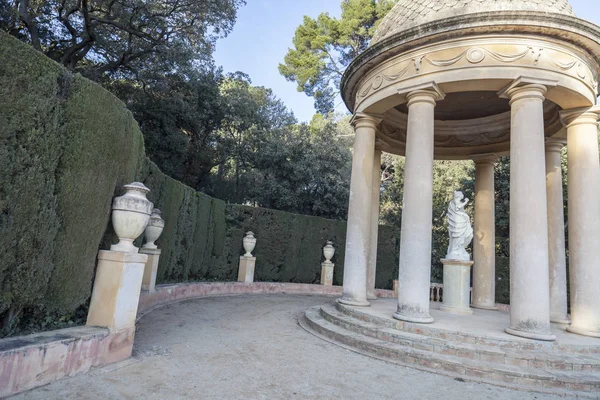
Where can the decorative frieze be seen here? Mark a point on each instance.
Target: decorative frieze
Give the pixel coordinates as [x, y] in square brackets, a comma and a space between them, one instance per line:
[481, 53]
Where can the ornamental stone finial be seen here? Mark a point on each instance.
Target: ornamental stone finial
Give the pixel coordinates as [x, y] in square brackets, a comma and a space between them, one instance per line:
[459, 228]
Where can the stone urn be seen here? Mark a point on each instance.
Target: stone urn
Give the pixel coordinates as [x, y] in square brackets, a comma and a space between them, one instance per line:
[130, 216]
[154, 229]
[328, 252]
[249, 244]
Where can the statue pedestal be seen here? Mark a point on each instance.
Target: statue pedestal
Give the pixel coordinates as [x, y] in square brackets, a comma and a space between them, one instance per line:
[327, 273]
[457, 287]
[246, 270]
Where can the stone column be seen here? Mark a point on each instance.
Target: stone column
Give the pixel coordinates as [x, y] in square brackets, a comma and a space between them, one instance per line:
[484, 242]
[375, 193]
[359, 212]
[556, 232]
[529, 281]
[417, 211]
[584, 221]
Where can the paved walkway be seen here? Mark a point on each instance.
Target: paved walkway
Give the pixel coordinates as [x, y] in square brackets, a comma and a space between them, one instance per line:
[251, 347]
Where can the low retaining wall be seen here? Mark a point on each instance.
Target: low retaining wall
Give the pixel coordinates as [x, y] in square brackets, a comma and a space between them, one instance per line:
[166, 294]
[35, 360]
[30, 361]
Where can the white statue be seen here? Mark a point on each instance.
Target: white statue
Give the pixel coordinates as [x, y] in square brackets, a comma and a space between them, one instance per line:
[459, 228]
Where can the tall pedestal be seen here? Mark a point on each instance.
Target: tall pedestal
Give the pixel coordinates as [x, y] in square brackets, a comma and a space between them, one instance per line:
[457, 287]
[116, 291]
[327, 273]
[149, 280]
[246, 269]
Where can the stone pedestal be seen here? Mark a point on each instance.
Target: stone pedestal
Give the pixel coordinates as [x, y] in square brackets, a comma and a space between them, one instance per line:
[149, 280]
[116, 291]
[246, 270]
[327, 273]
[457, 287]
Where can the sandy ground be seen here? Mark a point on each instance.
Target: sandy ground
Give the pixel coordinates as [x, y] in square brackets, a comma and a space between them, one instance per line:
[251, 347]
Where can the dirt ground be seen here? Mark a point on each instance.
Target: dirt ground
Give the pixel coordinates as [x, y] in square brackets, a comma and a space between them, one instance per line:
[251, 347]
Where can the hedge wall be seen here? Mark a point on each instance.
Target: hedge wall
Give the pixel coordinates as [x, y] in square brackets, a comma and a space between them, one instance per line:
[66, 144]
[66, 148]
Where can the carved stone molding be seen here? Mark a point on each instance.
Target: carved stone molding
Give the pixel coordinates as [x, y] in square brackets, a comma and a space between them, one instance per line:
[479, 53]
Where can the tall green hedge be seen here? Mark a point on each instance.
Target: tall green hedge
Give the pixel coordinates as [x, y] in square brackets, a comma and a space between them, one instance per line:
[67, 146]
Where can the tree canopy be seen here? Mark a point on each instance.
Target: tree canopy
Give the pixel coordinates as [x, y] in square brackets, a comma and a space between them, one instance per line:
[121, 37]
[325, 46]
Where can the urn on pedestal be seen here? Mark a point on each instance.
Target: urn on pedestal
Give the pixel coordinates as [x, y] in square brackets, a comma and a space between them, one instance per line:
[249, 243]
[130, 216]
[328, 251]
[327, 266]
[154, 229]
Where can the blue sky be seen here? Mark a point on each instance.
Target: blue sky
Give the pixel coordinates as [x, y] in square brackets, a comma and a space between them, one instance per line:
[264, 32]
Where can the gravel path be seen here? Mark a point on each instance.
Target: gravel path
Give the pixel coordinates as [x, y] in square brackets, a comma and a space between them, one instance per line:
[251, 347]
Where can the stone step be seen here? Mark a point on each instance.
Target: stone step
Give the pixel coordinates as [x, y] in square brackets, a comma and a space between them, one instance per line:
[548, 360]
[464, 337]
[525, 378]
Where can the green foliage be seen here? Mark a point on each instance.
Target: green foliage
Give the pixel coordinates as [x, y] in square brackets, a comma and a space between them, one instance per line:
[448, 176]
[325, 46]
[67, 147]
[121, 38]
[66, 144]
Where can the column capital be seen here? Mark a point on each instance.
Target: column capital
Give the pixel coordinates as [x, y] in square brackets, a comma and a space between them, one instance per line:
[526, 88]
[578, 116]
[482, 159]
[360, 120]
[555, 145]
[428, 92]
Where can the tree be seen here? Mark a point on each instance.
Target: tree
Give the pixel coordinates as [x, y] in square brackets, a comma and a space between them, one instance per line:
[122, 38]
[325, 46]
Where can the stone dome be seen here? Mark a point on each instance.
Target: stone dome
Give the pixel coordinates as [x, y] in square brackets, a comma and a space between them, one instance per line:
[410, 13]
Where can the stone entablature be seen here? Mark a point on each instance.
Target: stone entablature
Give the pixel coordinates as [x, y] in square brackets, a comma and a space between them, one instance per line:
[499, 57]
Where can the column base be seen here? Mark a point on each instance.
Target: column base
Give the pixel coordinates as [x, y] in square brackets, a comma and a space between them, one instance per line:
[583, 331]
[372, 296]
[423, 319]
[560, 320]
[547, 337]
[354, 303]
[484, 307]
[456, 310]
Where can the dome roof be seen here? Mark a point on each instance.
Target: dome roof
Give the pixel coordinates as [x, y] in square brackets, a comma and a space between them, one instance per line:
[410, 13]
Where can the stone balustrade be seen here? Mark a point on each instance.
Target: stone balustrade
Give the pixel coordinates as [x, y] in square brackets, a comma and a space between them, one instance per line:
[436, 293]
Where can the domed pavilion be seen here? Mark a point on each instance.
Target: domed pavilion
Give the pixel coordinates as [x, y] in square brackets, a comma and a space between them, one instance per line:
[476, 80]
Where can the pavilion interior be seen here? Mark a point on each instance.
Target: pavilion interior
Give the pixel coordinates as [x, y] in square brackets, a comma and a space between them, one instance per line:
[466, 124]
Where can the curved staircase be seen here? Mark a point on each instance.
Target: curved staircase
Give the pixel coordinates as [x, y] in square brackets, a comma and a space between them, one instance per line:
[556, 368]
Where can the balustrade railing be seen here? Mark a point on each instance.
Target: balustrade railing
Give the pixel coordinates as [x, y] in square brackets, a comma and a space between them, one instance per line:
[436, 293]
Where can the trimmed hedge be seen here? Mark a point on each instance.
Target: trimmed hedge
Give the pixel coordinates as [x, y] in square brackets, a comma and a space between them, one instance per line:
[67, 146]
